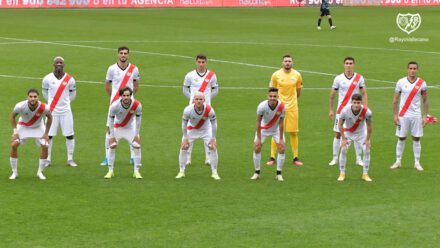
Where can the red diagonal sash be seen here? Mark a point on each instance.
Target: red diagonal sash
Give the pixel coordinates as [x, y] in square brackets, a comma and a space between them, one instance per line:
[275, 117]
[358, 120]
[411, 96]
[59, 92]
[35, 117]
[124, 81]
[206, 81]
[128, 116]
[202, 121]
[349, 92]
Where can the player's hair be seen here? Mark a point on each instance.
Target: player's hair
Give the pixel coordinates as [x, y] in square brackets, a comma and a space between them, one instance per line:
[123, 48]
[287, 56]
[272, 89]
[201, 56]
[413, 63]
[356, 97]
[349, 58]
[121, 92]
[33, 90]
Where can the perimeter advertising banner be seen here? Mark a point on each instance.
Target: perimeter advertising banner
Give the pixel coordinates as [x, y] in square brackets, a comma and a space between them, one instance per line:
[201, 3]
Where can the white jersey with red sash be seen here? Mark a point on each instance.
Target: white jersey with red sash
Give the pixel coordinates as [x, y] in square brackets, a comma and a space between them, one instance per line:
[271, 117]
[355, 124]
[346, 87]
[121, 117]
[410, 96]
[201, 83]
[58, 92]
[119, 78]
[31, 118]
[198, 121]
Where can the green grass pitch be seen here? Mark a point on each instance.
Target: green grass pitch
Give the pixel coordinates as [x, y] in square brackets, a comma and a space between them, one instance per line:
[77, 207]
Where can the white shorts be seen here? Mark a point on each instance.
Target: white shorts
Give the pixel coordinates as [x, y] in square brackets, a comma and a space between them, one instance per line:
[36, 133]
[413, 124]
[205, 135]
[125, 133]
[335, 127]
[275, 135]
[356, 138]
[65, 122]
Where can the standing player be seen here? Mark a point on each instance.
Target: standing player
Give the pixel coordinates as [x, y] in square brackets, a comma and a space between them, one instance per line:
[200, 80]
[59, 89]
[30, 126]
[118, 76]
[289, 84]
[122, 114]
[325, 11]
[355, 126]
[270, 115]
[410, 91]
[195, 126]
[347, 84]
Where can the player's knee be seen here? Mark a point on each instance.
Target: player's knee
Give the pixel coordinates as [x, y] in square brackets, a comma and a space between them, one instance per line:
[329, 17]
[15, 144]
[337, 135]
[257, 149]
[69, 137]
[416, 138]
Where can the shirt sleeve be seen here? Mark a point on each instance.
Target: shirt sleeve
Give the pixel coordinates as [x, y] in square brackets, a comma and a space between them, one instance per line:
[17, 108]
[299, 82]
[187, 80]
[211, 115]
[283, 113]
[72, 84]
[136, 76]
[273, 81]
[260, 110]
[398, 88]
[424, 87]
[362, 82]
[109, 76]
[369, 115]
[138, 111]
[335, 84]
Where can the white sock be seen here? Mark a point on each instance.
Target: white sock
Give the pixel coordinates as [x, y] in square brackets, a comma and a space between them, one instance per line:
[183, 157]
[280, 161]
[213, 157]
[207, 152]
[41, 165]
[417, 149]
[49, 149]
[399, 149]
[358, 150]
[343, 159]
[336, 147]
[132, 152]
[14, 164]
[366, 160]
[107, 143]
[257, 161]
[70, 144]
[111, 159]
[137, 159]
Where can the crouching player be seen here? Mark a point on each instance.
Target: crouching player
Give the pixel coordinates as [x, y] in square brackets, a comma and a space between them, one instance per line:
[30, 126]
[355, 126]
[270, 115]
[122, 116]
[194, 126]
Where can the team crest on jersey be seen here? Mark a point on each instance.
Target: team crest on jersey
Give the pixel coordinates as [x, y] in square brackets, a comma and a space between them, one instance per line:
[279, 112]
[129, 74]
[417, 87]
[131, 111]
[204, 118]
[64, 83]
[207, 80]
[38, 114]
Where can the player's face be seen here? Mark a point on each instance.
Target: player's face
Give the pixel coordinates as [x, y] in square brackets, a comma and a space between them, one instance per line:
[287, 63]
[349, 65]
[272, 98]
[412, 70]
[199, 100]
[126, 97]
[58, 65]
[123, 56]
[33, 99]
[356, 105]
[201, 64]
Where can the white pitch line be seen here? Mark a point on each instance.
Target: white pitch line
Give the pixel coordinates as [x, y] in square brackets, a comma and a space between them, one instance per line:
[180, 86]
[239, 43]
[190, 57]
